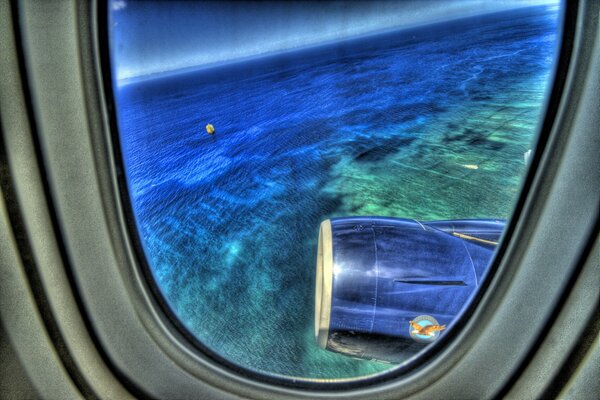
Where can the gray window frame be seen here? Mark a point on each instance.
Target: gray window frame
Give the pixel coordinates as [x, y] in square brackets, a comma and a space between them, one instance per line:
[97, 330]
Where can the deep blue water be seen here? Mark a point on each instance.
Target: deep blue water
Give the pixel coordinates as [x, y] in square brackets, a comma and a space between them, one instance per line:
[390, 125]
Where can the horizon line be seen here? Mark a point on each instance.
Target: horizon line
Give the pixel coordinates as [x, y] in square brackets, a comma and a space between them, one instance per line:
[239, 60]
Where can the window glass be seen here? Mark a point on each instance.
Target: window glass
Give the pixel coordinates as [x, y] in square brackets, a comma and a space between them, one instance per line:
[382, 142]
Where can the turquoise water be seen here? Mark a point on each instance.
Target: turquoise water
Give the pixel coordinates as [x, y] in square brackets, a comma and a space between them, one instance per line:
[429, 123]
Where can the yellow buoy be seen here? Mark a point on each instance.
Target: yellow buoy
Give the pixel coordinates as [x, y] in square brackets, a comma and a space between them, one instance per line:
[210, 129]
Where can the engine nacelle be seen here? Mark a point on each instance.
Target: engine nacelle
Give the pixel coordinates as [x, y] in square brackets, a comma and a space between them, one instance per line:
[375, 275]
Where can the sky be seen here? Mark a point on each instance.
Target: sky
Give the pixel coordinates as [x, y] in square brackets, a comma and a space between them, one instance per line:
[154, 37]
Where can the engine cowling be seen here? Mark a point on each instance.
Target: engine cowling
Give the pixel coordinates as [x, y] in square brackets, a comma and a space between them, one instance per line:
[375, 275]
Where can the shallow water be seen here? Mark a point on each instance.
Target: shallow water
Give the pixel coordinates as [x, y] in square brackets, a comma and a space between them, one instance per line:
[424, 123]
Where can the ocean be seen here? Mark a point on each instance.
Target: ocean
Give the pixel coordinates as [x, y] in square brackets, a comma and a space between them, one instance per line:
[426, 123]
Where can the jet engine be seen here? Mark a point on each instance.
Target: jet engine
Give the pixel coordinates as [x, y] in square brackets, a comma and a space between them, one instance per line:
[386, 287]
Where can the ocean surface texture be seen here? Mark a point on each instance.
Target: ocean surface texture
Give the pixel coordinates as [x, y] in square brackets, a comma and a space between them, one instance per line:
[429, 123]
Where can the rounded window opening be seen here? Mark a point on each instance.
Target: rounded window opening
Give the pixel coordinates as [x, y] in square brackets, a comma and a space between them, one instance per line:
[319, 189]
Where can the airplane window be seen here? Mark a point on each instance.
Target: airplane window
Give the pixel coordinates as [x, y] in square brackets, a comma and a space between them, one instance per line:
[319, 189]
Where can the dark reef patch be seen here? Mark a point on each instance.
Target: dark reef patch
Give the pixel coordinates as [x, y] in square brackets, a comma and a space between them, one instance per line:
[369, 152]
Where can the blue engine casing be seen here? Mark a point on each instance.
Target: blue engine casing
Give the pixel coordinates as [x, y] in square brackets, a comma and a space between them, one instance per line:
[375, 274]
